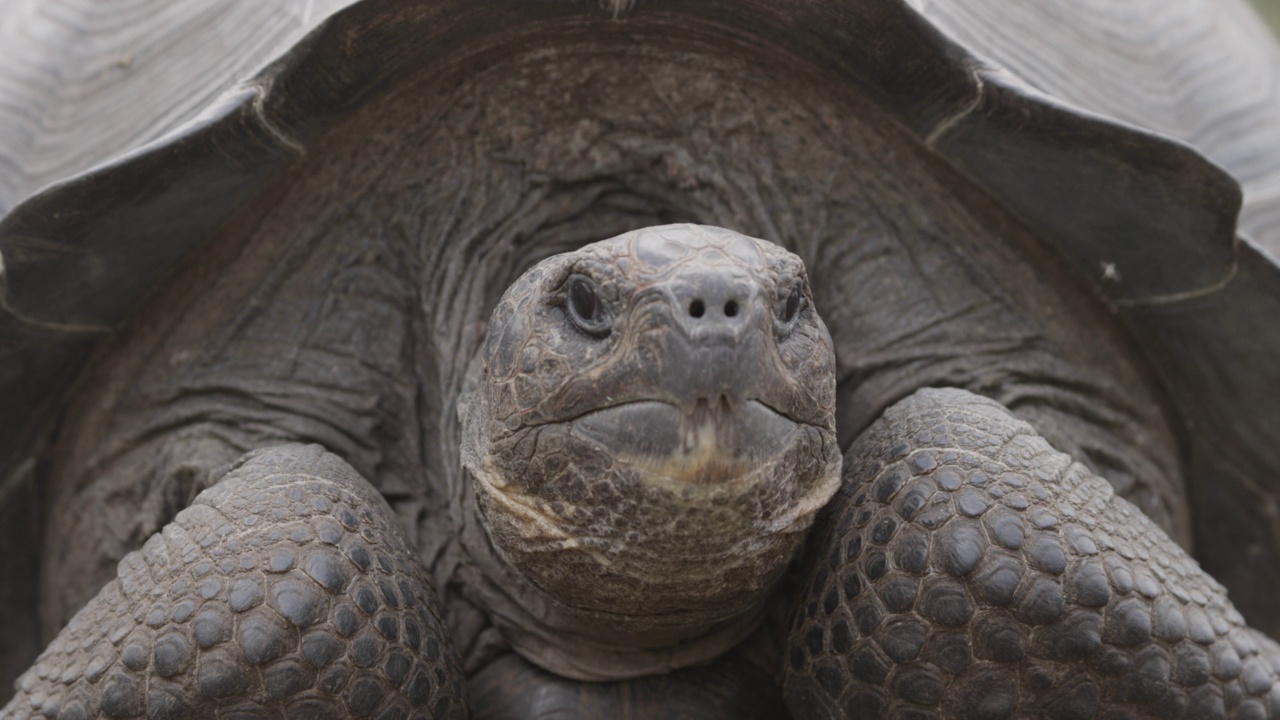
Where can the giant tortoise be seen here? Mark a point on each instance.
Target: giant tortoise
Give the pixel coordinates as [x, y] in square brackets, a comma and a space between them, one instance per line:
[434, 366]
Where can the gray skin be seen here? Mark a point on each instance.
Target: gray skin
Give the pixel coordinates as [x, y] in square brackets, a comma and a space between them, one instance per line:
[964, 569]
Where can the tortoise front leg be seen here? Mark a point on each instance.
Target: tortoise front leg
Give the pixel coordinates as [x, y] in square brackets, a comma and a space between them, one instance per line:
[968, 570]
[283, 590]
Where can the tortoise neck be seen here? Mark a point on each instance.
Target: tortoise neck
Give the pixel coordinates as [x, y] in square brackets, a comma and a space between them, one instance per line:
[585, 644]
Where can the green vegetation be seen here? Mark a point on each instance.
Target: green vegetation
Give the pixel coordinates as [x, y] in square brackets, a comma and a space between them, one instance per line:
[1270, 11]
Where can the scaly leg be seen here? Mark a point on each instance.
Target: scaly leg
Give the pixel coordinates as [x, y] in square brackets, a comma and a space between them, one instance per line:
[968, 570]
[283, 590]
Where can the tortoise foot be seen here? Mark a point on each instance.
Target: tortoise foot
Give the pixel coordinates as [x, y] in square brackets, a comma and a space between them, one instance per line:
[968, 570]
[284, 590]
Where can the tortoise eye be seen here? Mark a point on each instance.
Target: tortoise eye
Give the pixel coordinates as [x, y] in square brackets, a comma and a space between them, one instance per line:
[586, 309]
[790, 308]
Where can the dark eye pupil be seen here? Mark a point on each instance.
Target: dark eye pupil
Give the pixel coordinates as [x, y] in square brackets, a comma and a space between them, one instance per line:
[584, 301]
[792, 307]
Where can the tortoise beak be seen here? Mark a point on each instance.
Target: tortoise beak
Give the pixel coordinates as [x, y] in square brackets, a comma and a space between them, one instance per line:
[715, 442]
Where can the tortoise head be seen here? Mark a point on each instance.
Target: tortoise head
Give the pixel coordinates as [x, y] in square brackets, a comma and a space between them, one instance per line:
[653, 429]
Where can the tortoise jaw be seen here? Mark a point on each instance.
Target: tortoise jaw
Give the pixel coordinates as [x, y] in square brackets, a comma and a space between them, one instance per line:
[715, 443]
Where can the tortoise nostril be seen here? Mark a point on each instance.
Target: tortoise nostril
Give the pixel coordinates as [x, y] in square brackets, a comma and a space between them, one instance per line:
[731, 308]
[697, 308]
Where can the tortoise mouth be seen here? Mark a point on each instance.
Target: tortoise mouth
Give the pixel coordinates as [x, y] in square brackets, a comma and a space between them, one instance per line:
[715, 442]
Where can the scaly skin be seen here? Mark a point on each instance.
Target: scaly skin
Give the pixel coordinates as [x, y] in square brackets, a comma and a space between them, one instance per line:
[284, 590]
[968, 570]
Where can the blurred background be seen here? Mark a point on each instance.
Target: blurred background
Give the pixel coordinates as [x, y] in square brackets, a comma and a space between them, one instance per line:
[1270, 10]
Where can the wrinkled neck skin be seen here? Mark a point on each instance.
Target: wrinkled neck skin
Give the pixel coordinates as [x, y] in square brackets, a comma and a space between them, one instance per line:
[583, 644]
